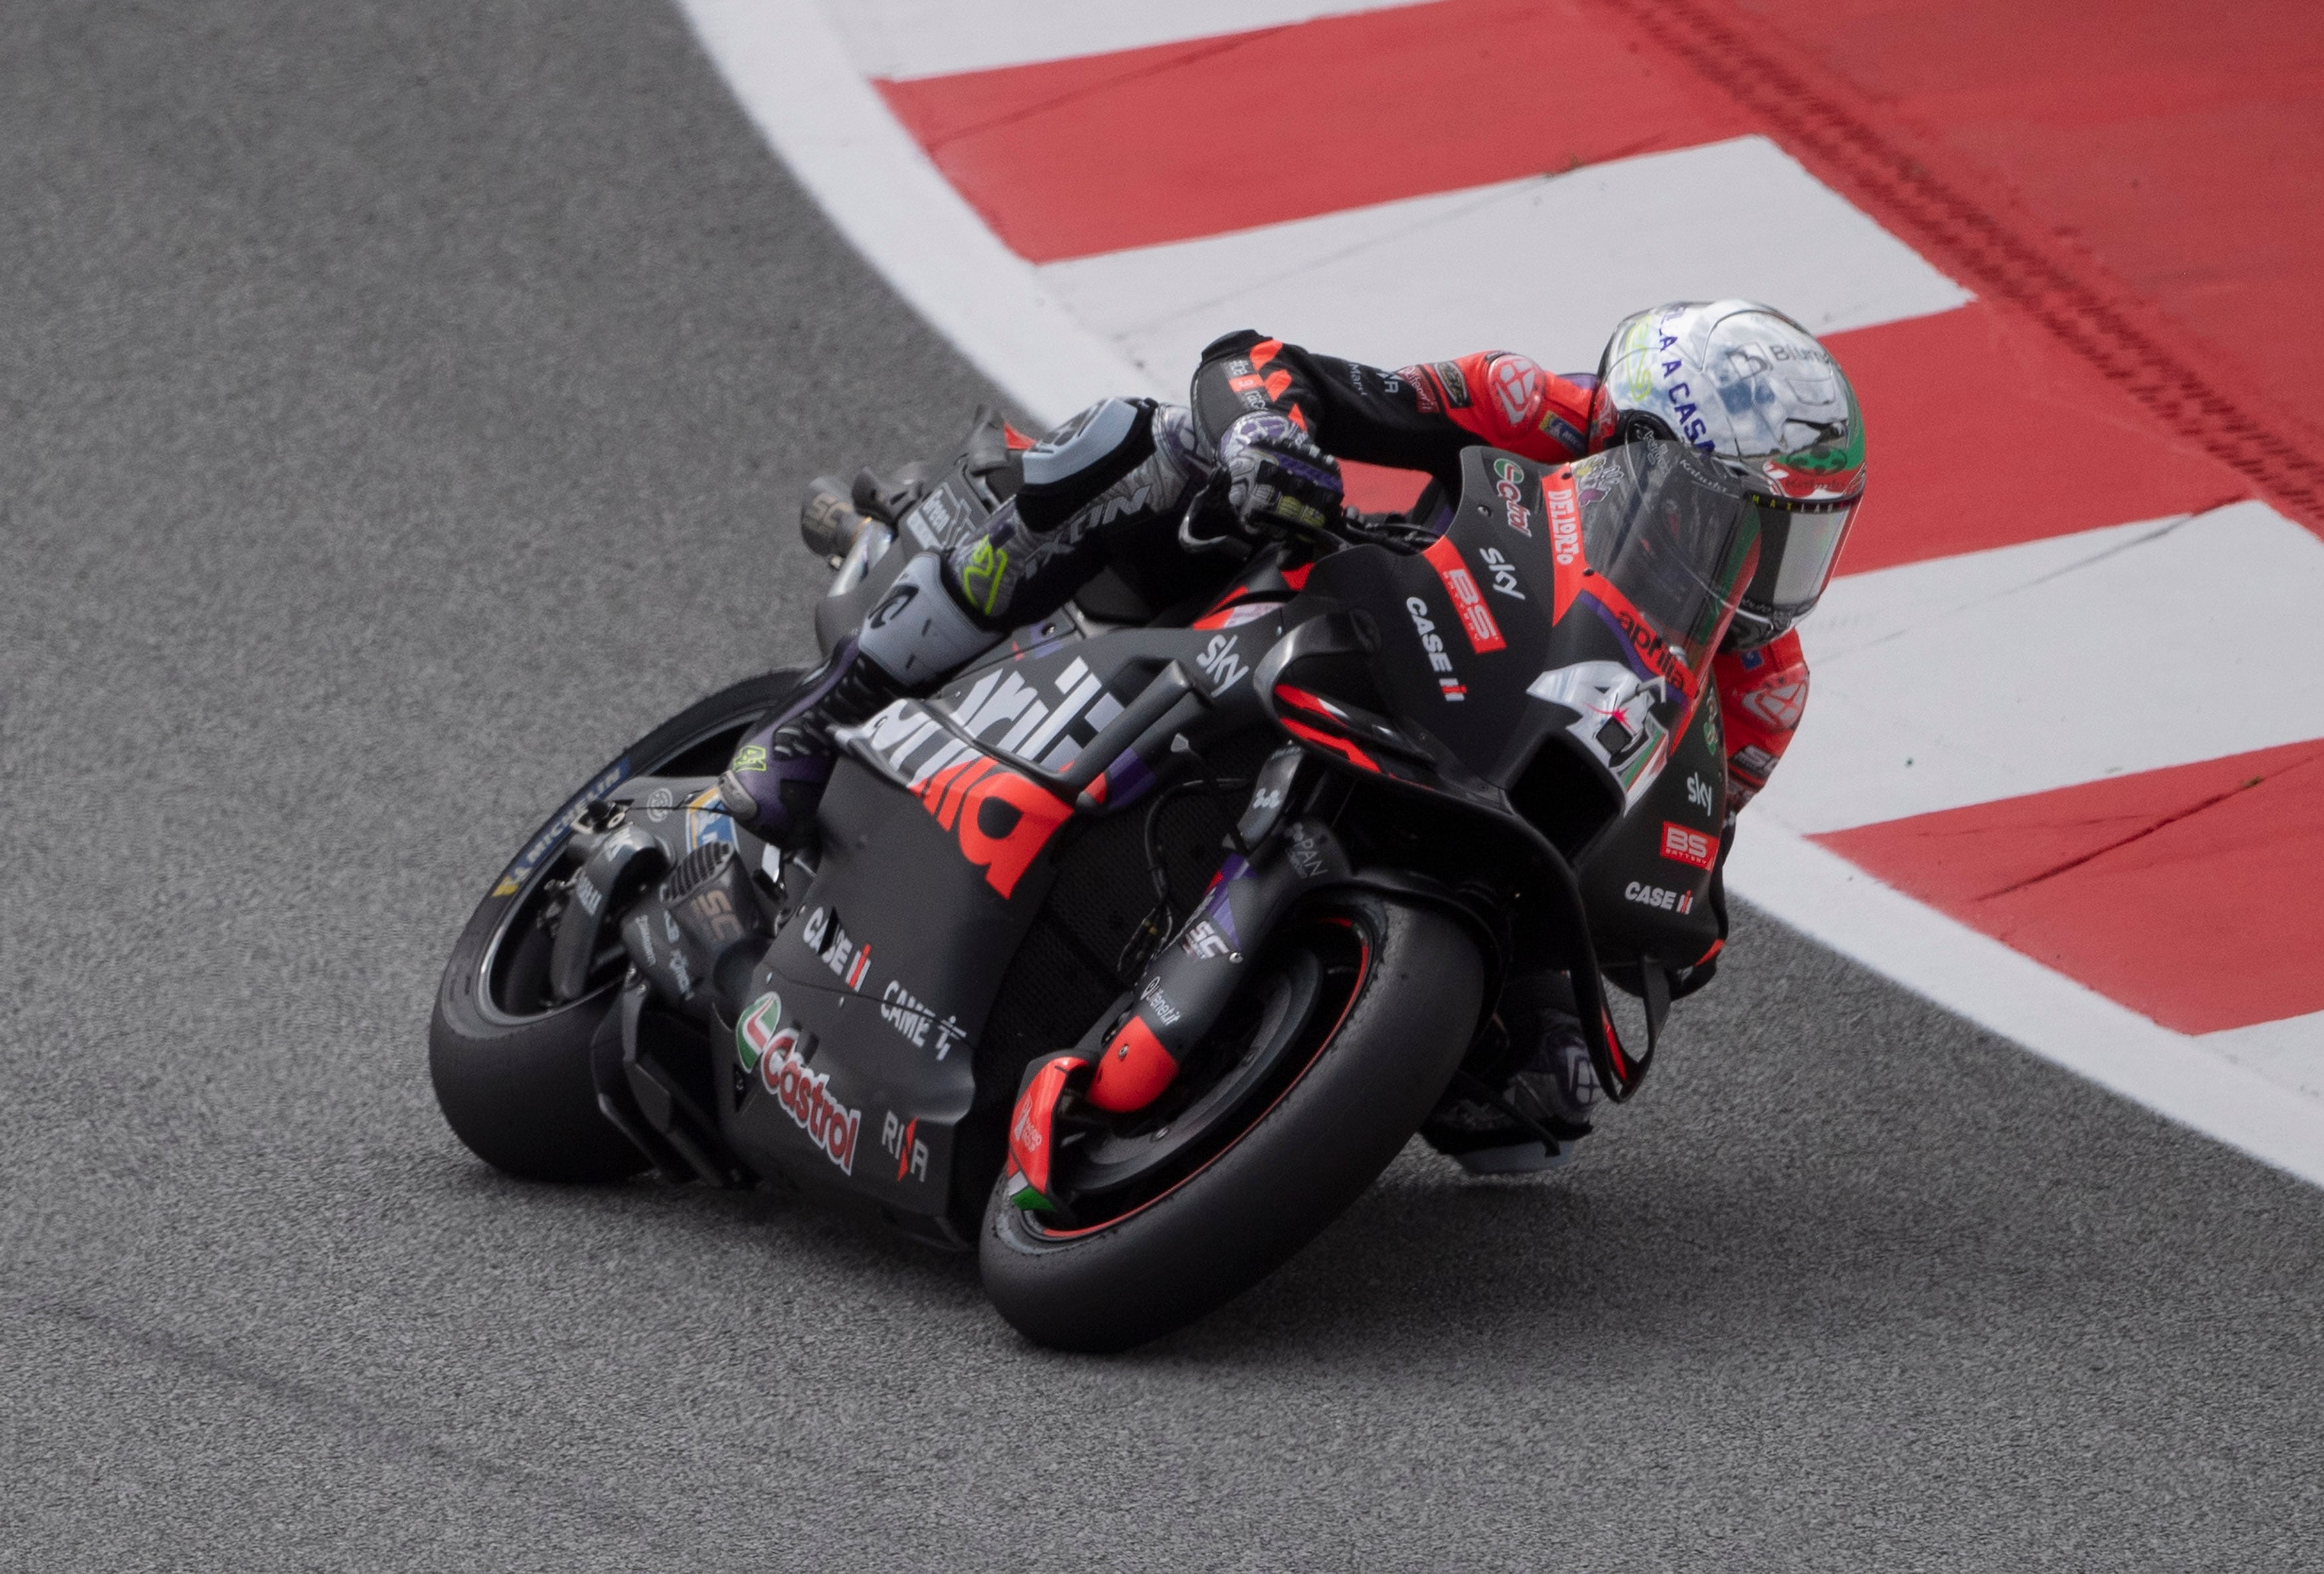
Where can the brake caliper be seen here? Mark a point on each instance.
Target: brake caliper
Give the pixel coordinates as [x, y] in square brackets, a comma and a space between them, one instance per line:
[1033, 1130]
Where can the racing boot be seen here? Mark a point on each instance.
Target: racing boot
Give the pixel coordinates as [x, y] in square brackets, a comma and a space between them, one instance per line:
[1546, 1088]
[915, 638]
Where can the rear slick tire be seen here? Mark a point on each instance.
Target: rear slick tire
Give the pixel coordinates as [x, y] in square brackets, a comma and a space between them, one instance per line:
[1272, 1186]
[512, 1076]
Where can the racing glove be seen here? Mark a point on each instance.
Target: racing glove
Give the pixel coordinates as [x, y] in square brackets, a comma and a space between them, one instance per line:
[1276, 478]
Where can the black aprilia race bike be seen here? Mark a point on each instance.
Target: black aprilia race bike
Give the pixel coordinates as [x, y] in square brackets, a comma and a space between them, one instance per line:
[1299, 829]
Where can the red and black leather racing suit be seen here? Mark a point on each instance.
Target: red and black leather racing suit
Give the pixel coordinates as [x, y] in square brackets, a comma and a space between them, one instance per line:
[1422, 417]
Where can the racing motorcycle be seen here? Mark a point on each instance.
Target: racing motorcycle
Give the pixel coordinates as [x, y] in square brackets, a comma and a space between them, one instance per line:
[1297, 821]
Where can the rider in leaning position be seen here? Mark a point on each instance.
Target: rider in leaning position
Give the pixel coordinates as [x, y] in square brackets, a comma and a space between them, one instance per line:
[1738, 381]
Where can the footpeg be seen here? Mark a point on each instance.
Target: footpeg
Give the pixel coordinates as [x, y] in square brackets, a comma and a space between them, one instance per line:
[888, 498]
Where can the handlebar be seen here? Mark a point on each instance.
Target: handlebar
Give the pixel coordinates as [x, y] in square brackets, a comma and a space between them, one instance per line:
[1346, 527]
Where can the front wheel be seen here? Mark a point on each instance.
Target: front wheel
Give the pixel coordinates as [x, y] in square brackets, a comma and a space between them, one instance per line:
[1351, 1028]
[511, 1065]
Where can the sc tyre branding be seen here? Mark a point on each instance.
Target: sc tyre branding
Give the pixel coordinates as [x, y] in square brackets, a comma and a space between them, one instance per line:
[515, 1085]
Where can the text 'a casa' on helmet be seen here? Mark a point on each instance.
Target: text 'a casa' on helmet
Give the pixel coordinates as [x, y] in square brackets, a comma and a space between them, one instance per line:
[1746, 383]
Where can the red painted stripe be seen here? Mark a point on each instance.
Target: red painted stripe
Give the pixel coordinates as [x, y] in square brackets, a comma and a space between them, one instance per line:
[1071, 158]
[2178, 149]
[1985, 429]
[1955, 467]
[2188, 894]
[1963, 214]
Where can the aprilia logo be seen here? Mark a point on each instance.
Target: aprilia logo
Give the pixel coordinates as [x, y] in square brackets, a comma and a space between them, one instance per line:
[1002, 819]
[1650, 644]
[1779, 705]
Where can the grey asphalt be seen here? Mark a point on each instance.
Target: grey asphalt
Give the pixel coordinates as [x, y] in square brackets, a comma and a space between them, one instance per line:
[403, 407]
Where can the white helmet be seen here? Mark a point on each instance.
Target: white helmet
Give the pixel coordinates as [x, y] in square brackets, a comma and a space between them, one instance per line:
[1748, 384]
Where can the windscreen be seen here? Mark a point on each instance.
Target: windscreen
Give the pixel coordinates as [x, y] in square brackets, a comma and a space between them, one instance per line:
[1672, 532]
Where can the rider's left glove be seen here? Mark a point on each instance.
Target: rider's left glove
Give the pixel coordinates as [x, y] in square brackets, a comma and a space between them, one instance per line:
[1276, 477]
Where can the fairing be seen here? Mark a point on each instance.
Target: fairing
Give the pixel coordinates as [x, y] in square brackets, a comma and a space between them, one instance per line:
[1549, 660]
[943, 831]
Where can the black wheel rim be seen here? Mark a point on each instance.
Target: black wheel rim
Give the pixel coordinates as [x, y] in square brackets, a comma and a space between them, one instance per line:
[1298, 1002]
[513, 976]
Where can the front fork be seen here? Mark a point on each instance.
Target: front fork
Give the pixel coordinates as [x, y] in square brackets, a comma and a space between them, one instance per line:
[1178, 999]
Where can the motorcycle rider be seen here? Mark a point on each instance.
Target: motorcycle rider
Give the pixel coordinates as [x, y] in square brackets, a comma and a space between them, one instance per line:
[1738, 380]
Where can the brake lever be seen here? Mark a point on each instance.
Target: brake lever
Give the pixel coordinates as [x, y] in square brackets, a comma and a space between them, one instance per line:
[1210, 498]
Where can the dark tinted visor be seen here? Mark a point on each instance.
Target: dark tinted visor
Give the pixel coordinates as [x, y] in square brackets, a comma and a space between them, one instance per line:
[1799, 544]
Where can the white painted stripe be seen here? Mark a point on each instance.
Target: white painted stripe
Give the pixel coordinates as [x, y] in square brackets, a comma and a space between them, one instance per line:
[2186, 1080]
[795, 80]
[932, 38]
[1545, 266]
[797, 84]
[2003, 672]
[2289, 1053]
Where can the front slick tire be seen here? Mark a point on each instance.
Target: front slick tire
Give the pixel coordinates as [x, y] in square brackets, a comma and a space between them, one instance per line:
[1381, 1048]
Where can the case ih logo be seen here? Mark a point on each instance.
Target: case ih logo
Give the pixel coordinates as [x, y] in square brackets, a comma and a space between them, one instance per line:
[1448, 682]
[1468, 601]
[1685, 845]
[1658, 896]
[828, 938]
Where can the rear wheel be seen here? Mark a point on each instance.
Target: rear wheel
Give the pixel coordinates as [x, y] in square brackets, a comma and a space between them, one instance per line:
[509, 1065]
[1329, 1061]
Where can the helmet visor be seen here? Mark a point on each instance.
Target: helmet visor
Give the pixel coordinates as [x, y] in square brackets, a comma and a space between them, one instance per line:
[1798, 546]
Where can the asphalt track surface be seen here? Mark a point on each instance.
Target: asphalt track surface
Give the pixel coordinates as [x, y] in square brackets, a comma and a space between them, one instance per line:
[404, 407]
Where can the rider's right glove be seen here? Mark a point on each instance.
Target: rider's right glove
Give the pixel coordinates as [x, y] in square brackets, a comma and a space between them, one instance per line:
[1276, 477]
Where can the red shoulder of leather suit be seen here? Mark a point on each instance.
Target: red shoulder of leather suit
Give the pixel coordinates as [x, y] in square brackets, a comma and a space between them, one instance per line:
[1421, 417]
[1762, 695]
